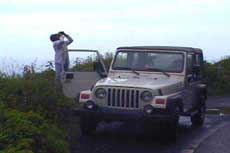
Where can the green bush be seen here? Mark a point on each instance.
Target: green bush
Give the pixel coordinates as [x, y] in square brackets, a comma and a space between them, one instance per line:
[32, 111]
[35, 92]
[29, 132]
[218, 76]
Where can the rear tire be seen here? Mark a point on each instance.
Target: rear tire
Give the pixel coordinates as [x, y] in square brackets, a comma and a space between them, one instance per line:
[87, 126]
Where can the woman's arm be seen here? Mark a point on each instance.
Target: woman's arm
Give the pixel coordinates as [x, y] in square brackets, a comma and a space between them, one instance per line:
[69, 39]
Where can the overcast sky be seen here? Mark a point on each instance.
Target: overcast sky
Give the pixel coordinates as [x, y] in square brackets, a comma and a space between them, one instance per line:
[107, 24]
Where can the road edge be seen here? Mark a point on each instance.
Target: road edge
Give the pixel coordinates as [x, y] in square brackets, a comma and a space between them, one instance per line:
[191, 148]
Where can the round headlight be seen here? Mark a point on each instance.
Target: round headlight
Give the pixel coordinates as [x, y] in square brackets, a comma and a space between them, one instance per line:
[146, 96]
[100, 93]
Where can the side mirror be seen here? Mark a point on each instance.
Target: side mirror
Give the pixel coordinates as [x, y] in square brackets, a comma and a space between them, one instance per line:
[94, 66]
[69, 75]
[97, 66]
[196, 69]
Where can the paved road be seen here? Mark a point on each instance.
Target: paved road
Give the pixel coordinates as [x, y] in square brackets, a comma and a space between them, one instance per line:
[122, 138]
[218, 101]
[218, 142]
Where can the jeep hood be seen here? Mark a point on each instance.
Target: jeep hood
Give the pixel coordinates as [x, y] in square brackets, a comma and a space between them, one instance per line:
[167, 85]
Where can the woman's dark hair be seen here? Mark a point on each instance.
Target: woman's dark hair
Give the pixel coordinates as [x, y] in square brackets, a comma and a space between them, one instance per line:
[54, 37]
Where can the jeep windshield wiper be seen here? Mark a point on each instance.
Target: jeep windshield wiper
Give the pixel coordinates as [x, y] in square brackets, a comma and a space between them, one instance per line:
[159, 70]
[127, 68]
[134, 71]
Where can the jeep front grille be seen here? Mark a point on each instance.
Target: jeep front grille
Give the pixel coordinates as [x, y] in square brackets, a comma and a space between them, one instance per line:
[126, 98]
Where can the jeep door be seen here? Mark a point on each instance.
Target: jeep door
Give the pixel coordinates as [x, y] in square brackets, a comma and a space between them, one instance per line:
[86, 68]
[192, 80]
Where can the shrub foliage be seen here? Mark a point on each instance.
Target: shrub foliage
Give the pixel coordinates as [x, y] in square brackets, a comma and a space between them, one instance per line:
[218, 76]
[31, 114]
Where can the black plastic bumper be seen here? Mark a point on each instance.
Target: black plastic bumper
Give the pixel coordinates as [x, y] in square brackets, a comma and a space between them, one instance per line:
[109, 114]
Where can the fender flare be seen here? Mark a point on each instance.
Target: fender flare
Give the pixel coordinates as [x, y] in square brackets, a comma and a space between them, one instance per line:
[201, 91]
[174, 102]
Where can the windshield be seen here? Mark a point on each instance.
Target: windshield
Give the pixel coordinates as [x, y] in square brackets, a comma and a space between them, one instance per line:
[149, 61]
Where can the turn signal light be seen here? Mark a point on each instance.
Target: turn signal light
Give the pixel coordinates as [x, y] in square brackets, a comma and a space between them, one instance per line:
[85, 96]
[160, 101]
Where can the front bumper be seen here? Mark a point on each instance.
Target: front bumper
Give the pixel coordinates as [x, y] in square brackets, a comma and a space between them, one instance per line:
[111, 114]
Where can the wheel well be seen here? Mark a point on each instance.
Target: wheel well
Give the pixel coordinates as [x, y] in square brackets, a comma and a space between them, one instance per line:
[202, 91]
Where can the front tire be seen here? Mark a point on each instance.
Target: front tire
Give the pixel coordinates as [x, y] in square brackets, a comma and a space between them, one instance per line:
[198, 119]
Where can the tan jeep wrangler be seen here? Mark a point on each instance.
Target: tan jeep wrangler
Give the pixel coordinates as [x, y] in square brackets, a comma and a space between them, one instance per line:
[153, 84]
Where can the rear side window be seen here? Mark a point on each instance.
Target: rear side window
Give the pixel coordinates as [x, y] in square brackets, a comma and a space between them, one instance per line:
[189, 63]
[199, 59]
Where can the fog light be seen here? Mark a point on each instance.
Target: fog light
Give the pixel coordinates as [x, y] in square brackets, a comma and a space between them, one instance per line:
[90, 105]
[148, 109]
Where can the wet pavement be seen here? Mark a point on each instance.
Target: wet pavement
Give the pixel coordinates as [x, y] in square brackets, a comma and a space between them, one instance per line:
[130, 138]
[218, 142]
[218, 102]
[119, 137]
